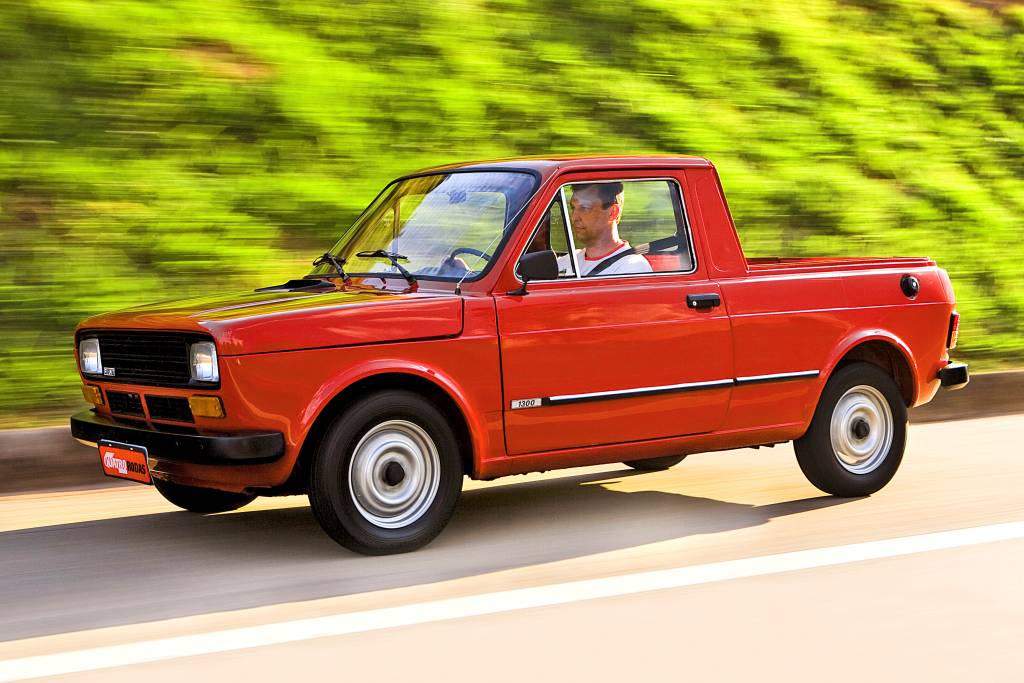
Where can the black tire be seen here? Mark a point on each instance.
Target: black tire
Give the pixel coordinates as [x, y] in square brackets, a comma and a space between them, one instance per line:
[861, 430]
[201, 500]
[655, 464]
[378, 426]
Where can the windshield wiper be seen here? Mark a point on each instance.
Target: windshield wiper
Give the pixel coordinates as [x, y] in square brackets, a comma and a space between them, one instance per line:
[394, 258]
[338, 264]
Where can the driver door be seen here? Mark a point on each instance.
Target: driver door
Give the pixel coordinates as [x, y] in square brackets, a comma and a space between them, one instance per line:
[614, 359]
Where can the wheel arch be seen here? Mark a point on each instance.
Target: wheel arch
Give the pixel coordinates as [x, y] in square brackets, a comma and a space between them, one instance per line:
[883, 350]
[445, 398]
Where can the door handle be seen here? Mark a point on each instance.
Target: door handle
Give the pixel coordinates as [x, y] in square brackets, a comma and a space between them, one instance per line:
[703, 300]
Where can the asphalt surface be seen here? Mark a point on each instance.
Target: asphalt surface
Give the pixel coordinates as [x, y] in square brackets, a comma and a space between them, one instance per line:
[85, 569]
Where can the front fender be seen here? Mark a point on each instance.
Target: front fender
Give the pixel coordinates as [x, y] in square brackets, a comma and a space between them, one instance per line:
[473, 414]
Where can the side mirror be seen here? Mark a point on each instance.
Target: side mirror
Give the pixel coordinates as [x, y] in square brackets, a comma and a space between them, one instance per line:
[540, 265]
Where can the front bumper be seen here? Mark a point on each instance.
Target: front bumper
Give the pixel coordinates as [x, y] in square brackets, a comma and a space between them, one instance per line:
[243, 448]
[954, 376]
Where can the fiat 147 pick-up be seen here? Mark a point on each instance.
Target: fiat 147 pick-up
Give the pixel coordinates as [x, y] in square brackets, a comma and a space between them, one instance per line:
[495, 318]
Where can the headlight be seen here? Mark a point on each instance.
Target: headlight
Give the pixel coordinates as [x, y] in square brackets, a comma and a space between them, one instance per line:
[203, 359]
[89, 356]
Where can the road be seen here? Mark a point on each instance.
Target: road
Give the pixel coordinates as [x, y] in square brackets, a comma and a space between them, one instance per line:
[90, 569]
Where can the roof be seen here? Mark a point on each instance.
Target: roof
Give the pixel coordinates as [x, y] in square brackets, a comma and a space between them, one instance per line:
[547, 165]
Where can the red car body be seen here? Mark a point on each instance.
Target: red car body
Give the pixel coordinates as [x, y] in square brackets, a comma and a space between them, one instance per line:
[746, 372]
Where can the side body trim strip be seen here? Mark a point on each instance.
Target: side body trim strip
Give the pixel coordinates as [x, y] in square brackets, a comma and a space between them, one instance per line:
[520, 404]
[779, 377]
[639, 391]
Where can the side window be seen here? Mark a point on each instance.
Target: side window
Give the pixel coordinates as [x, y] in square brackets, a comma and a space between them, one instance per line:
[552, 234]
[629, 227]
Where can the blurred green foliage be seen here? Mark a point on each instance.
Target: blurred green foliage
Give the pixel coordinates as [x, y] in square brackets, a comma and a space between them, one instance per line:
[152, 151]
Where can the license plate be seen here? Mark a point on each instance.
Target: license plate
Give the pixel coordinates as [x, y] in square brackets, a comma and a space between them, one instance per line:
[125, 461]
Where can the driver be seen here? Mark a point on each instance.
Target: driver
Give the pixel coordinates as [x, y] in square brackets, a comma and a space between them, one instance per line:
[596, 209]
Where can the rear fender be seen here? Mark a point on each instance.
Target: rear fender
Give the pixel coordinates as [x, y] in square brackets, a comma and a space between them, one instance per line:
[861, 337]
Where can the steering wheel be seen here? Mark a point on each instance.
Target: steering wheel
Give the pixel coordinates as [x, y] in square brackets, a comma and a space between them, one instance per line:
[469, 250]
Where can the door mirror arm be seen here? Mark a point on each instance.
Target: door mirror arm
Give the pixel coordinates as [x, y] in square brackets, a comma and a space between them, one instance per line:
[519, 292]
[540, 265]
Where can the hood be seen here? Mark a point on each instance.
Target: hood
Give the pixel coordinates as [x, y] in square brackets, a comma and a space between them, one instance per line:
[263, 322]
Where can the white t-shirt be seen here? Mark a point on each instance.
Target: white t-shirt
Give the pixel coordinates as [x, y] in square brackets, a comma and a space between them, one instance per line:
[634, 263]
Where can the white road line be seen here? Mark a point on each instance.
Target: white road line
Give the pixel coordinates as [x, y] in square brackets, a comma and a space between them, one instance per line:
[491, 603]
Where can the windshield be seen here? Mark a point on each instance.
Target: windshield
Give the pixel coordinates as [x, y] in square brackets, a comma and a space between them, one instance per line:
[440, 227]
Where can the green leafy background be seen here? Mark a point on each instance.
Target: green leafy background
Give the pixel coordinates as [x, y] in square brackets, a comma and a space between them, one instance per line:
[150, 151]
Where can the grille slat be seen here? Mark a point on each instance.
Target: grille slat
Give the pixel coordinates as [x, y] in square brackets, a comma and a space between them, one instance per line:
[155, 366]
[156, 371]
[148, 358]
[168, 357]
[169, 408]
[126, 359]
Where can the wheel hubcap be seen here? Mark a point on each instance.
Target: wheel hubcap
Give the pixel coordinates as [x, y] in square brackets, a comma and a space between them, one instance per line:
[861, 429]
[394, 474]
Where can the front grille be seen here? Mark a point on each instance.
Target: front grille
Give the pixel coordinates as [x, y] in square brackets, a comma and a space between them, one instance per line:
[124, 404]
[151, 358]
[169, 408]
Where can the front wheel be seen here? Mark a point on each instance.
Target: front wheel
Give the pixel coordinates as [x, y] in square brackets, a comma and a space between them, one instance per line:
[387, 475]
[201, 500]
[858, 433]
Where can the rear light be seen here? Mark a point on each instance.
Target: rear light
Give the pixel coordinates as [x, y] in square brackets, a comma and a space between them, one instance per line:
[954, 330]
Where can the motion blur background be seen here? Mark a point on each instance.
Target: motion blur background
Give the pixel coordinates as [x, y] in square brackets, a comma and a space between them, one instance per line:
[151, 151]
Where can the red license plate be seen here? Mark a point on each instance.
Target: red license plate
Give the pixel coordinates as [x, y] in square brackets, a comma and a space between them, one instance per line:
[125, 461]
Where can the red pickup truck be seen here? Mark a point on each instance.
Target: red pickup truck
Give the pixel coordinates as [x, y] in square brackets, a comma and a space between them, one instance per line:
[488, 319]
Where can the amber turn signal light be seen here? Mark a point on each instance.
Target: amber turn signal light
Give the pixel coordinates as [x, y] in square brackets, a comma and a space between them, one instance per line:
[206, 406]
[92, 394]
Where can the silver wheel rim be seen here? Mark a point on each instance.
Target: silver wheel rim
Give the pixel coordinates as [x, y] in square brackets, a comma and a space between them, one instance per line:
[394, 474]
[861, 429]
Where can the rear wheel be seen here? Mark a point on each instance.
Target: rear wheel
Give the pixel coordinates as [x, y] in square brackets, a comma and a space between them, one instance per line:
[201, 500]
[387, 475]
[655, 464]
[856, 439]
